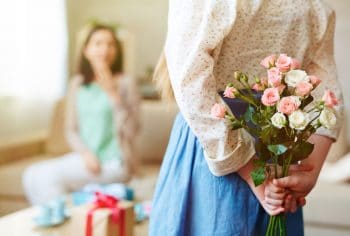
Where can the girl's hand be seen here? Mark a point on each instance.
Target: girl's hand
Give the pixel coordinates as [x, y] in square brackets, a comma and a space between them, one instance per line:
[292, 199]
[301, 180]
[273, 204]
[272, 198]
[303, 177]
[278, 196]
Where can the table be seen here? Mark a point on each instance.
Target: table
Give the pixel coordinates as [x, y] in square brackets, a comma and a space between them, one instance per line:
[21, 223]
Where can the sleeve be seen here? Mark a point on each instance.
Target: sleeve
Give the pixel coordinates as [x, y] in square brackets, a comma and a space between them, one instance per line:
[131, 103]
[195, 30]
[323, 66]
[71, 125]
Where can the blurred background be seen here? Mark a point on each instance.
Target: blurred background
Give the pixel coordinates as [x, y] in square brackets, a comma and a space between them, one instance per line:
[38, 46]
[37, 57]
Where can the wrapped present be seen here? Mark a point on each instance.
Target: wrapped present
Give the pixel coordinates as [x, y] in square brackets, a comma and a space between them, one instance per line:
[106, 216]
[87, 194]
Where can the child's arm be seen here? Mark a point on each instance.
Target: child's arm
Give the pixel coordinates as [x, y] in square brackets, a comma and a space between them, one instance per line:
[273, 203]
[301, 182]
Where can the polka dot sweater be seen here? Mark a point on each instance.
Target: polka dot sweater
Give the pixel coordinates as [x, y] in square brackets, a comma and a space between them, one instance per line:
[208, 40]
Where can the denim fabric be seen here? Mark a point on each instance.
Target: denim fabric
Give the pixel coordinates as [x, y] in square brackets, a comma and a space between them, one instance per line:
[190, 200]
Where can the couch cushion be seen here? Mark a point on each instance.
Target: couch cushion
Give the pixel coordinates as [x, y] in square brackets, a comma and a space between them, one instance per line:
[56, 143]
[11, 175]
[156, 122]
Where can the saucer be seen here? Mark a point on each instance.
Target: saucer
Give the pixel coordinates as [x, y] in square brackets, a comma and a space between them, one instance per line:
[51, 222]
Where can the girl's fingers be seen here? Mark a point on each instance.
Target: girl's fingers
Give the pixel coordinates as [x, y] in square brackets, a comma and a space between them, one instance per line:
[271, 210]
[274, 202]
[294, 206]
[274, 188]
[278, 196]
[300, 167]
[301, 201]
[291, 182]
[288, 203]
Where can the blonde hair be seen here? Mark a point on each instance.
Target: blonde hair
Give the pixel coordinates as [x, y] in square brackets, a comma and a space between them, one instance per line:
[161, 79]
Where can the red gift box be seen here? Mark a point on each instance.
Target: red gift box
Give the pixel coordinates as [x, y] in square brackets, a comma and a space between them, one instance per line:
[106, 216]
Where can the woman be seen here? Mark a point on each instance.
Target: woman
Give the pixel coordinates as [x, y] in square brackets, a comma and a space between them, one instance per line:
[204, 187]
[101, 121]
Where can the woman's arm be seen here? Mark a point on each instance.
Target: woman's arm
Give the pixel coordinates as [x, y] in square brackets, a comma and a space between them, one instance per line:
[71, 123]
[128, 121]
[71, 129]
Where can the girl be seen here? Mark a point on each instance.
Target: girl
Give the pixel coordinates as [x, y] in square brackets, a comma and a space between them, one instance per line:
[101, 120]
[204, 187]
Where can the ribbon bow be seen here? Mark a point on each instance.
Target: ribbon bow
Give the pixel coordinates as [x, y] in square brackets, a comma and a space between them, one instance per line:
[110, 202]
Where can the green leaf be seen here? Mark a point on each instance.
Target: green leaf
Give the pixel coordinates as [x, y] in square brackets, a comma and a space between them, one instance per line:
[266, 134]
[256, 118]
[262, 151]
[278, 149]
[248, 115]
[302, 150]
[258, 163]
[258, 175]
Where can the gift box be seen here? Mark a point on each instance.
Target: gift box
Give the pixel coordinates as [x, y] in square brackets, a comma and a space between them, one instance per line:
[107, 216]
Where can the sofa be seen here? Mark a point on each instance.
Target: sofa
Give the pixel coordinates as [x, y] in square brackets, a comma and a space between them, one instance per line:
[325, 213]
[156, 122]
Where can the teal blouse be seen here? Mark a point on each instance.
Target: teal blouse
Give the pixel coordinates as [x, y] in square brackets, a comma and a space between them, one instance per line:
[96, 122]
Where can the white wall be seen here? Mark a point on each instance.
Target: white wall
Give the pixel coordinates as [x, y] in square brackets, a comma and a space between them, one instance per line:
[146, 19]
[342, 50]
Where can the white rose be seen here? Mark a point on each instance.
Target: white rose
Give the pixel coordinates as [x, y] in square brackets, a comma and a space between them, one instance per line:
[293, 77]
[296, 100]
[279, 120]
[298, 120]
[327, 118]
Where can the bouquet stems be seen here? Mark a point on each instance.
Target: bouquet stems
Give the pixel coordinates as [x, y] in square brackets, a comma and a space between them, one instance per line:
[277, 224]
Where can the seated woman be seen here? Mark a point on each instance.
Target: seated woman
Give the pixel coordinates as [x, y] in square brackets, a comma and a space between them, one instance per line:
[101, 123]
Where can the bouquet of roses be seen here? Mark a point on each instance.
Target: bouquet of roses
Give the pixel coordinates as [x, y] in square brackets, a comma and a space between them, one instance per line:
[281, 115]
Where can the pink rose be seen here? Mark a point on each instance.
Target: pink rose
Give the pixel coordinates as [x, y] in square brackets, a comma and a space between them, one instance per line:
[270, 97]
[303, 88]
[274, 77]
[258, 87]
[288, 105]
[295, 64]
[281, 88]
[218, 111]
[269, 61]
[284, 62]
[315, 81]
[330, 99]
[230, 92]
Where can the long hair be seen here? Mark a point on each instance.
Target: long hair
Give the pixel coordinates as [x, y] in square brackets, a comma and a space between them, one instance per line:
[84, 67]
[161, 79]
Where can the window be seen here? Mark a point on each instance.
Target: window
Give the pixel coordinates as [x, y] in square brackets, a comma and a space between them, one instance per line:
[33, 49]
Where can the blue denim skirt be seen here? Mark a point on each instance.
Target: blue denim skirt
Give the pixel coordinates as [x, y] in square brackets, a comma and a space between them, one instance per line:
[190, 200]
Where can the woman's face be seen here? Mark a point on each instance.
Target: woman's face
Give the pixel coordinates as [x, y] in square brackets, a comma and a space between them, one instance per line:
[101, 49]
